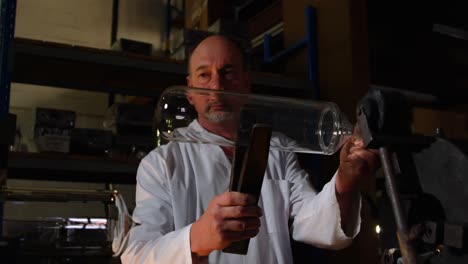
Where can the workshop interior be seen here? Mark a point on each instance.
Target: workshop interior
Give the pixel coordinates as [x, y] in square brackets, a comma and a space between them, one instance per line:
[88, 88]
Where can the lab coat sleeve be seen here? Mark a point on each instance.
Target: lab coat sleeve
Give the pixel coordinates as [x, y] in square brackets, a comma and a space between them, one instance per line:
[153, 239]
[315, 216]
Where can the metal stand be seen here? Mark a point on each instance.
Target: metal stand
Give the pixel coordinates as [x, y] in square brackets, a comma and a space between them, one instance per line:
[382, 126]
[407, 251]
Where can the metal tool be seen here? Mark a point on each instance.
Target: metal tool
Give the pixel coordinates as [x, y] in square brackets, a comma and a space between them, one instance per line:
[247, 176]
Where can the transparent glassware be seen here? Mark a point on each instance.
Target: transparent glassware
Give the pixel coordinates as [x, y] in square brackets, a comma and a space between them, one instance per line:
[304, 126]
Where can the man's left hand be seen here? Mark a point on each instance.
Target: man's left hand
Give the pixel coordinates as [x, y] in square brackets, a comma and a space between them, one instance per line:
[357, 164]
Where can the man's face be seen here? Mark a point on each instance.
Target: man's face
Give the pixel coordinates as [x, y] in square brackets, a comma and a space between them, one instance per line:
[216, 64]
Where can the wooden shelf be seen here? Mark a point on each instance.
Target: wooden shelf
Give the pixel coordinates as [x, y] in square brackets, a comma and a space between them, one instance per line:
[66, 167]
[67, 66]
[76, 67]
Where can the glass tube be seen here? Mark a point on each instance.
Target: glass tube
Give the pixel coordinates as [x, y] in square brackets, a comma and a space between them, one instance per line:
[304, 126]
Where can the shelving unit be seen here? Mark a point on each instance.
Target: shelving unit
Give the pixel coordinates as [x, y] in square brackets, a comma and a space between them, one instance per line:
[90, 255]
[65, 167]
[83, 68]
[67, 66]
[112, 72]
[75, 67]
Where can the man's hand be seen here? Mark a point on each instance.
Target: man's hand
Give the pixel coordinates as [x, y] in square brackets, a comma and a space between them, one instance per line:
[230, 217]
[356, 165]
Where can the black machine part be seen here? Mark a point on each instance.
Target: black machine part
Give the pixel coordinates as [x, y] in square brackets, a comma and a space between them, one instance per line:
[437, 217]
[442, 170]
[90, 141]
[7, 138]
[55, 118]
[438, 214]
[7, 130]
[384, 121]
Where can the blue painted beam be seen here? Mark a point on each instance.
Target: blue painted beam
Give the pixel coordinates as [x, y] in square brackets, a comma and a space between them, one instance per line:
[310, 41]
[167, 33]
[312, 54]
[7, 29]
[268, 57]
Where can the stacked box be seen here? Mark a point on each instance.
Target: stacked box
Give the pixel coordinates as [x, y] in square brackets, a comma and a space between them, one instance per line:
[52, 129]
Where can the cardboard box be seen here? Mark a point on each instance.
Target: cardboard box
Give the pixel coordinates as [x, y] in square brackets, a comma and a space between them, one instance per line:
[142, 21]
[184, 41]
[85, 23]
[200, 14]
[229, 27]
[52, 129]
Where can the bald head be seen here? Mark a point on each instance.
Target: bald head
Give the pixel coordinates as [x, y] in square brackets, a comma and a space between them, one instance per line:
[217, 46]
[218, 63]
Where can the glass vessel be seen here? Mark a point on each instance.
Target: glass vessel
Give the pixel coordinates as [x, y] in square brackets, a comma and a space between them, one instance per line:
[297, 125]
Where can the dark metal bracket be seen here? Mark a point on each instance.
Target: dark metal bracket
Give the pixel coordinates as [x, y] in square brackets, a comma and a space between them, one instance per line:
[247, 176]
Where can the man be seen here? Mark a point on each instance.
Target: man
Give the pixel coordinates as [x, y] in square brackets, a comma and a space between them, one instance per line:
[184, 212]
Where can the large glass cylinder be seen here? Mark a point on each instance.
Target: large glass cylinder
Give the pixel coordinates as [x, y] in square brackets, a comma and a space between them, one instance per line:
[297, 125]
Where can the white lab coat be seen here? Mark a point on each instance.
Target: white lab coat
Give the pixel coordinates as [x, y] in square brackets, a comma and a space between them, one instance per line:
[177, 181]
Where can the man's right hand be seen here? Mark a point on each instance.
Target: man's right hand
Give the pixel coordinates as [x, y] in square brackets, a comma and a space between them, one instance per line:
[230, 217]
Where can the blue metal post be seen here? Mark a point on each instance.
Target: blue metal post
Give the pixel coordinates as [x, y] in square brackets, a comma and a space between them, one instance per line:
[7, 24]
[312, 71]
[310, 41]
[168, 24]
[312, 56]
[268, 57]
[267, 48]
[7, 30]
